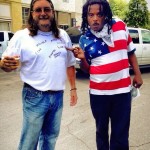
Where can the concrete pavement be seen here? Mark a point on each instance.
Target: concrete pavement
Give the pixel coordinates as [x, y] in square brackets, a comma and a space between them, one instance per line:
[78, 127]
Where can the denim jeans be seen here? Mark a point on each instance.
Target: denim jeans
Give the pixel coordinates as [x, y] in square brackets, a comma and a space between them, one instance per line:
[42, 113]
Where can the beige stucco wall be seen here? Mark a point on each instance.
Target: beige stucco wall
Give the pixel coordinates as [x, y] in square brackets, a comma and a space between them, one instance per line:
[63, 18]
[78, 19]
[78, 6]
[16, 14]
[78, 11]
[64, 6]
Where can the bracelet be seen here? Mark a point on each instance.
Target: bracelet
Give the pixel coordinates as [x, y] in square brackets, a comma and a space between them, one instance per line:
[73, 89]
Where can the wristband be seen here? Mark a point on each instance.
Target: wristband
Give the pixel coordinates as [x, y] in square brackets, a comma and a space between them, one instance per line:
[73, 89]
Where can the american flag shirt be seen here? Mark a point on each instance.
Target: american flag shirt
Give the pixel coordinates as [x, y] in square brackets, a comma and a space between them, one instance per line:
[109, 66]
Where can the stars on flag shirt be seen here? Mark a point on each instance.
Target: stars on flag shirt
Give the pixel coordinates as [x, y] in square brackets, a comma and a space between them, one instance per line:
[109, 66]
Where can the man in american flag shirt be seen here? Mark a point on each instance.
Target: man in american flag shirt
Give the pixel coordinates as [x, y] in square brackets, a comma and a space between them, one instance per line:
[106, 52]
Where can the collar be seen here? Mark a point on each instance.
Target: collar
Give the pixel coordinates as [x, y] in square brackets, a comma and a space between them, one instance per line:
[107, 38]
[44, 33]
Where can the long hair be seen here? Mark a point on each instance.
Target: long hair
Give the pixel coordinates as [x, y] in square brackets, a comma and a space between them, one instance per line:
[33, 27]
[104, 9]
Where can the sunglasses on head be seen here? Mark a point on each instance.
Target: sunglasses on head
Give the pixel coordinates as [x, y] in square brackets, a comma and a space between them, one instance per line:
[39, 10]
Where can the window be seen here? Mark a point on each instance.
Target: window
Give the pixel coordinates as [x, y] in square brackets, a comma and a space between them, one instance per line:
[66, 1]
[25, 14]
[134, 35]
[145, 36]
[1, 36]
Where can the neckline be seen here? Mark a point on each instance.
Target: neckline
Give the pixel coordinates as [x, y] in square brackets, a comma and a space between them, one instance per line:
[44, 33]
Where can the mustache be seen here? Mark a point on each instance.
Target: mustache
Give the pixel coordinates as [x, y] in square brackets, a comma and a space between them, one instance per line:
[95, 24]
[43, 17]
[46, 18]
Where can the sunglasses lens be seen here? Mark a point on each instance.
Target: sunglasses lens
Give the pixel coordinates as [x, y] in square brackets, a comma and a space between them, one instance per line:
[47, 10]
[38, 10]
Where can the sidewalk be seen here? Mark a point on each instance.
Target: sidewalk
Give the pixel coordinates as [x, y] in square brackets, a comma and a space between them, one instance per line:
[78, 126]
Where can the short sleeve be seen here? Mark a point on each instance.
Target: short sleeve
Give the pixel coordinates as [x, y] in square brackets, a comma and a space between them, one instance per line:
[71, 61]
[131, 47]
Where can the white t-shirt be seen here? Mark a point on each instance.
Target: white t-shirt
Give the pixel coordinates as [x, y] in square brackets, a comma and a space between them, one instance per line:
[44, 58]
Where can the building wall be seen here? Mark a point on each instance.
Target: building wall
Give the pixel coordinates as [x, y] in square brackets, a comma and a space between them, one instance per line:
[16, 14]
[67, 13]
[78, 11]
[64, 19]
[5, 17]
[64, 6]
[10, 15]
[78, 19]
[26, 1]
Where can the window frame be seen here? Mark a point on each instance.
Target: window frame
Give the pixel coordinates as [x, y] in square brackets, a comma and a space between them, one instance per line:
[25, 15]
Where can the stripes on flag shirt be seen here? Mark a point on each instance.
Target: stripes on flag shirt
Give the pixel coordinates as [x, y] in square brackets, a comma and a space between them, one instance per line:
[109, 66]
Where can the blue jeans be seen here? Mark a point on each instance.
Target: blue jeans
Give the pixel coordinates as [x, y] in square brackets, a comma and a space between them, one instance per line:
[117, 109]
[42, 113]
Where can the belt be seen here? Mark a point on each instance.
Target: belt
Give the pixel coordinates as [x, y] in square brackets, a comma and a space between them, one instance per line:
[48, 91]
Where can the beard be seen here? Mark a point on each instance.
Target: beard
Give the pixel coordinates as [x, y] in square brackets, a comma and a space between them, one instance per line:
[44, 22]
[46, 26]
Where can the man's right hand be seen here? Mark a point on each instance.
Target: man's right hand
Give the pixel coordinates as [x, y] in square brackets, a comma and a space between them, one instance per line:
[9, 63]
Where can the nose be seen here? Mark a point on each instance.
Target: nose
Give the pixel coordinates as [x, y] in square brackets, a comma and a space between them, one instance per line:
[95, 17]
[43, 11]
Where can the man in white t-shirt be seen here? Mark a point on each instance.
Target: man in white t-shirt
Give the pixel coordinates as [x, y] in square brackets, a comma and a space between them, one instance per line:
[40, 50]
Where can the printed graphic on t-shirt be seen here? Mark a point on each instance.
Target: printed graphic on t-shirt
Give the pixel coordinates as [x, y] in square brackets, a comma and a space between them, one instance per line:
[55, 47]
